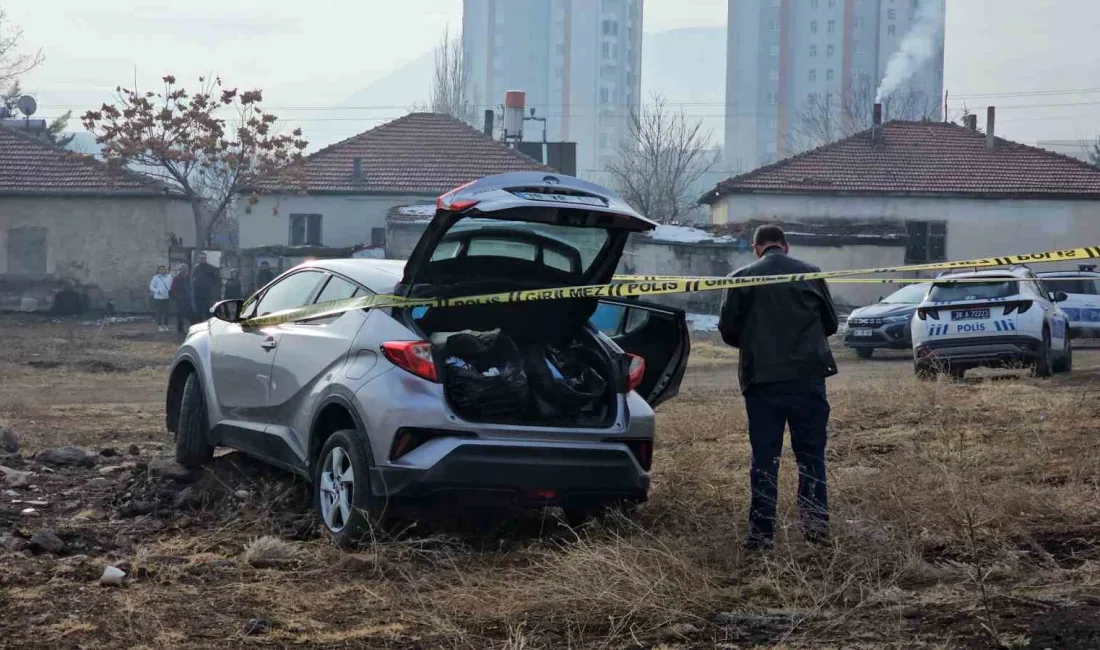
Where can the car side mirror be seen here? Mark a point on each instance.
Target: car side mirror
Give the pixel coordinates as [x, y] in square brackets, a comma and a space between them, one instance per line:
[1060, 296]
[228, 310]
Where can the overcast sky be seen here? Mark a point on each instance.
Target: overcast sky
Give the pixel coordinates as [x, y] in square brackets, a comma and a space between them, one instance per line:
[320, 52]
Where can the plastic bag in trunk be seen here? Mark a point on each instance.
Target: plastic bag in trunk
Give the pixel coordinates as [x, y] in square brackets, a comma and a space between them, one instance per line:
[564, 381]
[483, 374]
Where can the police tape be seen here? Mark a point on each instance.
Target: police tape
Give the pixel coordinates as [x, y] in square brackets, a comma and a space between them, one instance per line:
[635, 286]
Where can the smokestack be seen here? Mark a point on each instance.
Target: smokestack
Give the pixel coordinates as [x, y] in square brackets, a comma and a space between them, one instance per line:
[990, 118]
[972, 122]
[357, 170]
[876, 125]
[489, 117]
[514, 101]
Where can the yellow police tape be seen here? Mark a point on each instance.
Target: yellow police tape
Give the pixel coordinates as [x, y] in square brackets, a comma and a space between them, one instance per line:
[632, 286]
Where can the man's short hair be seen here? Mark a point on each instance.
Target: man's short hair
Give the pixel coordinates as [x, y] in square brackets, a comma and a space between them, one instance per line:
[769, 234]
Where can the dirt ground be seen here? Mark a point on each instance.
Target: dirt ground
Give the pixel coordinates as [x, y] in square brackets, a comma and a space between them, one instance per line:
[966, 515]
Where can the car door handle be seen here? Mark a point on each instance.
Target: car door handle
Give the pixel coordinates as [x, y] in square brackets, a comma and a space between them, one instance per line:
[268, 344]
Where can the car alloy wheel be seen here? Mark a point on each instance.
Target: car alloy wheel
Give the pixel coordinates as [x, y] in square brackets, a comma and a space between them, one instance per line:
[337, 490]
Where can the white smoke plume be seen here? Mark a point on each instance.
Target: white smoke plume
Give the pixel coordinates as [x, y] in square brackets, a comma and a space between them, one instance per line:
[920, 44]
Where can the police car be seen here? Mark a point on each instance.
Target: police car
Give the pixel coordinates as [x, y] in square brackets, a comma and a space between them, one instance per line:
[1083, 304]
[994, 318]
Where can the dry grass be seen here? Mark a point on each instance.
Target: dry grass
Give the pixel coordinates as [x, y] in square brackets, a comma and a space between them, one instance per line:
[964, 515]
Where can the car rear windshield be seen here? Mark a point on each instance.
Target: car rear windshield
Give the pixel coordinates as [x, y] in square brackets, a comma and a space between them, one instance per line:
[910, 295]
[1086, 286]
[971, 290]
[554, 246]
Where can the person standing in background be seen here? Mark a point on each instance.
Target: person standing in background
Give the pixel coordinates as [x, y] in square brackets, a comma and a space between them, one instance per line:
[781, 332]
[264, 276]
[185, 298]
[233, 286]
[206, 286]
[161, 289]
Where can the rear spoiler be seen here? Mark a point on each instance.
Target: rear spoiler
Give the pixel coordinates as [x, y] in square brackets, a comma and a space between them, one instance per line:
[1010, 305]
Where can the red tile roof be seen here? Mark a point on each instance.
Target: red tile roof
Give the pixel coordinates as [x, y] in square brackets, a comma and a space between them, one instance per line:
[420, 153]
[31, 167]
[923, 159]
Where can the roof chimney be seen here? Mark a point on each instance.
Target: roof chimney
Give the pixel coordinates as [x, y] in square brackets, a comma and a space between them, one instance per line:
[990, 115]
[489, 116]
[357, 170]
[514, 101]
[876, 125]
[972, 122]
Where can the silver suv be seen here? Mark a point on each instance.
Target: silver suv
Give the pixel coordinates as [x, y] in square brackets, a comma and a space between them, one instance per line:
[530, 404]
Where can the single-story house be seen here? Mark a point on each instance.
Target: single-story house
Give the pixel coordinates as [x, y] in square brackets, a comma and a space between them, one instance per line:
[957, 192]
[66, 219]
[350, 187]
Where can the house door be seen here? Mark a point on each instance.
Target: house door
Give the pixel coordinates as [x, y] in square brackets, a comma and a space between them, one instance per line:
[27, 251]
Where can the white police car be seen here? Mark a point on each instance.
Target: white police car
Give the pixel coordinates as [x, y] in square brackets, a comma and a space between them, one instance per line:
[996, 318]
[1082, 307]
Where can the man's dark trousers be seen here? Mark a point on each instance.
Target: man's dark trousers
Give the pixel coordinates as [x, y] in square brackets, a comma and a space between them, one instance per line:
[771, 406]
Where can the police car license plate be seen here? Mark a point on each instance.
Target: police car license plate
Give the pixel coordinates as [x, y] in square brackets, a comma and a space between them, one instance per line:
[970, 314]
[561, 198]
[862, 332]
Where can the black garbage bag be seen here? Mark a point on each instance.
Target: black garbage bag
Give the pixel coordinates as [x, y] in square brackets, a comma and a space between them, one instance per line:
[483, 374]
[564, 381]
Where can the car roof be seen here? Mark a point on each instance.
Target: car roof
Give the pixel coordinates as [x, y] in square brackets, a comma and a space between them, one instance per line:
[1068, 274]
[380, 276]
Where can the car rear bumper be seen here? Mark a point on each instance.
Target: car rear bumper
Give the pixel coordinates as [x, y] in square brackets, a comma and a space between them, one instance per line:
[893, 336]
[519, 475]
[979, 351]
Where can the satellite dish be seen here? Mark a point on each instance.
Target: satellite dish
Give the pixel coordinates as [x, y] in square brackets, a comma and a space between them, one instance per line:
[27, 105]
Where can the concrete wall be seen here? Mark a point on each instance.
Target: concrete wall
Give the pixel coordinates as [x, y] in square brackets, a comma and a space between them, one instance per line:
[975, 228]
[346, 220]
[110, 245]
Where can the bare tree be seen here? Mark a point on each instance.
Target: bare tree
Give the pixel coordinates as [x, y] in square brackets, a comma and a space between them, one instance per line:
[181, 139]
[1093, 152]
[828, 117]
[451, 81]
[13, 62]
[662, 157]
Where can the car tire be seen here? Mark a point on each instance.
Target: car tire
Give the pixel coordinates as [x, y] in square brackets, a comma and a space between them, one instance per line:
[865, 353]
[341, 489]
[1044, 365]
[192, 448]
[1064, 363]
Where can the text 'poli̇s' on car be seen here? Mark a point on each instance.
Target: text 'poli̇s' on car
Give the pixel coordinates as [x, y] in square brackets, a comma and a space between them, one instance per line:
[515, 404]
[995, 318]
[1082, 305]
[885, 324]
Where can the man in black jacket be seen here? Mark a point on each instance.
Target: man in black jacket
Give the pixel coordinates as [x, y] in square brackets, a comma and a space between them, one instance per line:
[782, 333]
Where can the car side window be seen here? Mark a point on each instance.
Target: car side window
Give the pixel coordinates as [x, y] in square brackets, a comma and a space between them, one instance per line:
[337, 288]
[290, 292]
[608, 318]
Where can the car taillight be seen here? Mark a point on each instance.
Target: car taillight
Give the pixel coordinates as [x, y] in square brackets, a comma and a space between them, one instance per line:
[1019, 307]
[413, 356]
[635, 373]
[642, 450]
[928, 313]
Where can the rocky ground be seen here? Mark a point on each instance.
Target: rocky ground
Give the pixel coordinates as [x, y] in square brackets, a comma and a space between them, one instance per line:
[966, 515]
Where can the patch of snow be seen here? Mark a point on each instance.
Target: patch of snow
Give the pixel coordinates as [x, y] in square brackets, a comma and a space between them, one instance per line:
[426, 210]
[703, 322]
[686, 235]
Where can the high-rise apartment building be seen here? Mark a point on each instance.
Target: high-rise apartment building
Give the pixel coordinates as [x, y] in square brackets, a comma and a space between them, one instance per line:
[792, 65]
[578, 61]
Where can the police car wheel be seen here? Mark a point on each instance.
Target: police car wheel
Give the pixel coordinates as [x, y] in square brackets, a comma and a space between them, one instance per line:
[1065, 362]
[1044, 364]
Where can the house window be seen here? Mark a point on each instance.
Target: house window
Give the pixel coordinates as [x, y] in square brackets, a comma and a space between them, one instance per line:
[774, 50]
[830, 50]
[892, 14]
[829, 74]
[773, 74]
[305, 230]
[27, 251]
[927, 241]
[813, 4]
[891, 30]
[377, 236]
[813, 26]
[855, 47]
[604, 96]
[605, 50]
[773, 25]
[813, 75]
[813, 50]
[832, 26]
